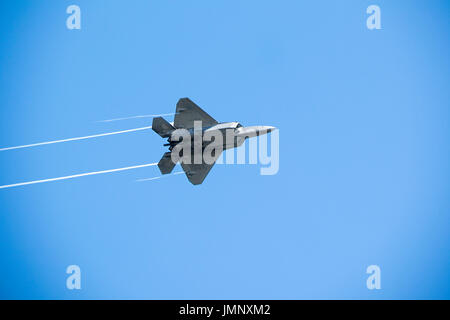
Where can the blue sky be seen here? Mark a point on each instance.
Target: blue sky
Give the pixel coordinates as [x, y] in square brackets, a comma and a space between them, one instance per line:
[363, 118]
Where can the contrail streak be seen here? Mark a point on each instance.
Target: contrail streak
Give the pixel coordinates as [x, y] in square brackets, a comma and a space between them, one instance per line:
[75, 139]
[156, 178]
[137, 117]
[77, 175]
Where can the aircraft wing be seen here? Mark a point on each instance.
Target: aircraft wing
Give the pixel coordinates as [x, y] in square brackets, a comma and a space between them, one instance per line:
[196, 173]
[188, 112]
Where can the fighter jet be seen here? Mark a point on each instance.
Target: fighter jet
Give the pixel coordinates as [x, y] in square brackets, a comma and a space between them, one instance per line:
[187, 115]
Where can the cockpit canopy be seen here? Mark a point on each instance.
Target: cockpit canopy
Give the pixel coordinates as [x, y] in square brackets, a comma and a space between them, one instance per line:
[235, 125]
[226, 125]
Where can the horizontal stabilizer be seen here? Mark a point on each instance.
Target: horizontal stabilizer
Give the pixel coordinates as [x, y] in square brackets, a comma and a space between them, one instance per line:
[162, 127]
[166, 164]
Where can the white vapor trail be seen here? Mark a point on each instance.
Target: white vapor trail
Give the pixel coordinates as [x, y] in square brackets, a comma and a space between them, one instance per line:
[156, 178]
[137, 117]
[77, 175]
[75, 139]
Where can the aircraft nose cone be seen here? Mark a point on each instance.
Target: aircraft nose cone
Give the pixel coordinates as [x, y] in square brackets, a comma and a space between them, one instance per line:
[269, 128]
[265, 129]
[254, 131]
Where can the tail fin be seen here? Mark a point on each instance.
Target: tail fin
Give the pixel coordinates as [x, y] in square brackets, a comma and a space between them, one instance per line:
[162, 127]
[166, 164]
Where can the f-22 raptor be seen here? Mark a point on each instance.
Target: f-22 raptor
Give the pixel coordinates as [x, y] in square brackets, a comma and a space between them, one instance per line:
[187, 112]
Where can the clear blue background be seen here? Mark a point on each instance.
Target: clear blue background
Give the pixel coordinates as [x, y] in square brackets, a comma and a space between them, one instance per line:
[364, 150]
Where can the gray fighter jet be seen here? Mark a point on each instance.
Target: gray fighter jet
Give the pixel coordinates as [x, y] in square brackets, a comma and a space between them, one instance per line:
[187, 113]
